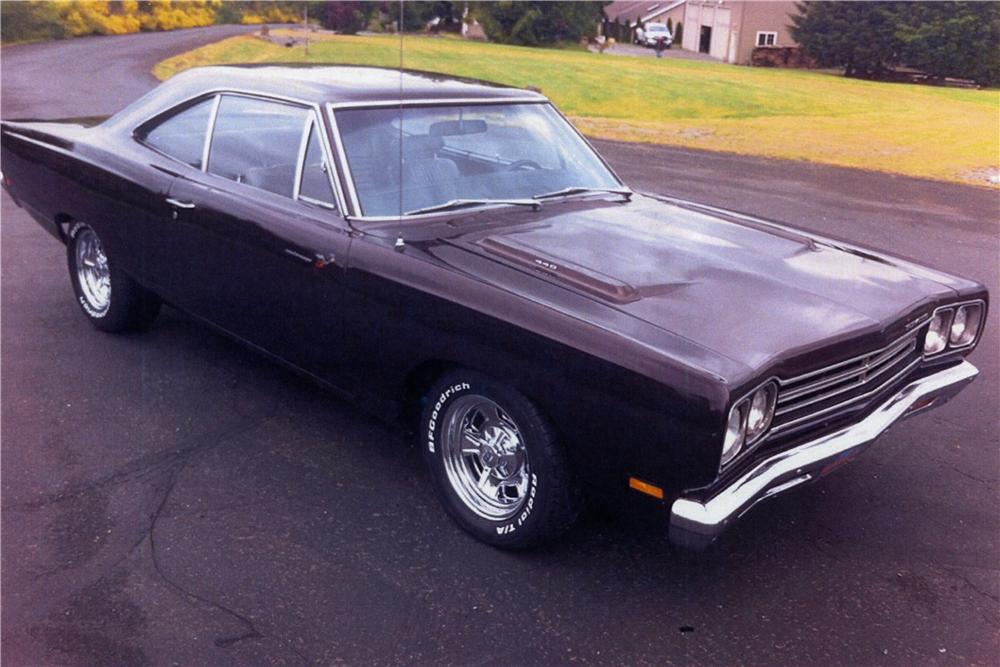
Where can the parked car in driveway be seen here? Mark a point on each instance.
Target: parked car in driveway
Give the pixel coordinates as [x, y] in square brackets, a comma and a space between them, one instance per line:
[456, 256]
[653, 32]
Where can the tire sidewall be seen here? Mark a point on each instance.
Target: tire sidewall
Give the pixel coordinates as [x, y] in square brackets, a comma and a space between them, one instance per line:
[88, 310]
[523, 528]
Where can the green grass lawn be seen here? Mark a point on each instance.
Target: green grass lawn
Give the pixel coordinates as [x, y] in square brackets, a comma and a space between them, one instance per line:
[941, 133]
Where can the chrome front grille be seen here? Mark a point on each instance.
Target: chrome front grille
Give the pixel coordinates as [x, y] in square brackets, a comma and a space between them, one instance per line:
[847, 384]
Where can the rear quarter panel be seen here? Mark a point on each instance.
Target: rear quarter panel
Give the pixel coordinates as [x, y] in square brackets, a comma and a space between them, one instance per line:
[60, 173]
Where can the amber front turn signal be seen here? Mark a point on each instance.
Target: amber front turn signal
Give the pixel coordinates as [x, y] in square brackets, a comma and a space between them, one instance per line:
[645, 487]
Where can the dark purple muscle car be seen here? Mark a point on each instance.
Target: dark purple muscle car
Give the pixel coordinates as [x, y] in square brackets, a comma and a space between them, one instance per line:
[455, 255]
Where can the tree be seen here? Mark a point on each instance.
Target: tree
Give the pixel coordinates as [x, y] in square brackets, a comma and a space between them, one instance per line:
[858, 36]
[679, 33]
[958, 39]
[30, 20]
[345, 17]
[538, 23]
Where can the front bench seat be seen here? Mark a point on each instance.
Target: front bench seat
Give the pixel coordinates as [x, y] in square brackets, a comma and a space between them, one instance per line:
[424, 171]
[279, 179]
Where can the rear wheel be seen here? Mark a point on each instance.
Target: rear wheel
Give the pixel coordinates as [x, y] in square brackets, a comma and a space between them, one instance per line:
[495, 464]
[111, 300]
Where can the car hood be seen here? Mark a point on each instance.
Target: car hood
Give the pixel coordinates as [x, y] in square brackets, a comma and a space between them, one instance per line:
[752, 290]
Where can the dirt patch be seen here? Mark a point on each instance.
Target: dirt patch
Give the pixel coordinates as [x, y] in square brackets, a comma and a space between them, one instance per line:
[989, 175]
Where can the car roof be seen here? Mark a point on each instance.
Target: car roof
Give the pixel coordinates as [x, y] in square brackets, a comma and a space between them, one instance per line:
[317, 84]
[344, 84]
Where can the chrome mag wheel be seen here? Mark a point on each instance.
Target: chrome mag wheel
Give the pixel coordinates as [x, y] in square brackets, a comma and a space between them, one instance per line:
[92, 272]
[485, 458]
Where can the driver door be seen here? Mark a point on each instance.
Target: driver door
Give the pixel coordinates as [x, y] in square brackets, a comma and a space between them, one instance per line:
[256, 244]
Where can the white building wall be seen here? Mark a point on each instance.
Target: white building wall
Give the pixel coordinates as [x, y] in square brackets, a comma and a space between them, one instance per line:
[723, 44]
[692, 30]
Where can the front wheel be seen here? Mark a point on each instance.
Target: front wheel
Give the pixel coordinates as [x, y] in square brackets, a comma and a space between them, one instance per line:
[111, 300]
[495, 464]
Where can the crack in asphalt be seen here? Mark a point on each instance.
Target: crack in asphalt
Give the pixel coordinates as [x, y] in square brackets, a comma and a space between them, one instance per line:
[137, 470]
[955, 468]
[173, 463]
[984, 614]
[252, 632]
[222, 642]
[971, 585]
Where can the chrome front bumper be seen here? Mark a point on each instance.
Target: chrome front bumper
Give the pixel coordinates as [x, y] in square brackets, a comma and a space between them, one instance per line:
[696, 524]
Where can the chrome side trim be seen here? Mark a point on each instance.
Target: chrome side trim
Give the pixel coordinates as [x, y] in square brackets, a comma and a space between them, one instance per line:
[344, 165]
[207, 147]
[300, 161]
[695, 523]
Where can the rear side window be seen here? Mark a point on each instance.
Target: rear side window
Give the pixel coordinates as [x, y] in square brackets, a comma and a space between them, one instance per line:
[256, 142]
[182, 136]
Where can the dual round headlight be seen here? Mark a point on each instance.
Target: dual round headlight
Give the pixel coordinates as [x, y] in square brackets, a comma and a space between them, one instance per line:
[748, 421]
[953, 327]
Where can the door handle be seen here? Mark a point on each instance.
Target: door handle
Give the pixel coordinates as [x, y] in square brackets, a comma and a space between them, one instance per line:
[180, 204]
[318, 260]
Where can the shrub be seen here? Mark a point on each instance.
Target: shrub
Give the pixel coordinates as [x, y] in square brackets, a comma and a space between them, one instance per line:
[538, 23]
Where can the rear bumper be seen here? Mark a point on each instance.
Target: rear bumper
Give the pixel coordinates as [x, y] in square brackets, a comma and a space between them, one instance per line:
[696, 524]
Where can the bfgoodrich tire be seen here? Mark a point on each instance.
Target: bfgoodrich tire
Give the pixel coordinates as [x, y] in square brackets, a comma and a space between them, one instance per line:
[495, 464]
[111, 300]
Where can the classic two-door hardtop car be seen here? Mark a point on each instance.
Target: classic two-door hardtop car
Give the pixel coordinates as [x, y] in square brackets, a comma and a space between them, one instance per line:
[455, 255]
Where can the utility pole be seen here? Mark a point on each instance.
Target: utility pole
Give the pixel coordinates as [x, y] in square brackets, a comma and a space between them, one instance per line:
[306, 25]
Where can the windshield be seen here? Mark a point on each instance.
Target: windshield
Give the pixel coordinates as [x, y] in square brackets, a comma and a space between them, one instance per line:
[412, 158]
[653, 27]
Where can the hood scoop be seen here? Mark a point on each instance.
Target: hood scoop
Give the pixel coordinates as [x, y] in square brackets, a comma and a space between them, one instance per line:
[577, 277]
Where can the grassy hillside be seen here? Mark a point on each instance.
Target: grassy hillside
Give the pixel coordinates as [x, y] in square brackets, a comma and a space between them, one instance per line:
[940, 133]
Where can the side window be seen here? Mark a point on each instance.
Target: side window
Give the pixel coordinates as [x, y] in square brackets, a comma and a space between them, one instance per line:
[316, 172]
[256, 142]
[182, 136]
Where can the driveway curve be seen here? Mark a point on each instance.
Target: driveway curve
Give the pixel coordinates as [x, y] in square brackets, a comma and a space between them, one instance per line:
[92, 76]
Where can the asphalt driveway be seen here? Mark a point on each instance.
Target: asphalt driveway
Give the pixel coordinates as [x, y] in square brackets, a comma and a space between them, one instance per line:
[171, 498]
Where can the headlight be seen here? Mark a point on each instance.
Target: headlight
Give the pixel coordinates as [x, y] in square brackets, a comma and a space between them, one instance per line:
[735, 433]
[748, 421]
[761, 410]
[965, 326]
[937, 333]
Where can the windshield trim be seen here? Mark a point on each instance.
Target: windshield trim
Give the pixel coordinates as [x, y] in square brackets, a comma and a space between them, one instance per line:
[357, 214]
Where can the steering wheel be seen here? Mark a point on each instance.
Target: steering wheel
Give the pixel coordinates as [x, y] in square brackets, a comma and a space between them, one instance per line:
[523, 165]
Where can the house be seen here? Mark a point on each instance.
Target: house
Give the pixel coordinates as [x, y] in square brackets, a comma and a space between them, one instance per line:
[728, 30]
[622, 18]
[731, 30]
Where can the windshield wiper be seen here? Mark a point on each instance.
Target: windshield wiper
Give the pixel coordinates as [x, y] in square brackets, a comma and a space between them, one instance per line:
[581, 190]
[457, 204]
